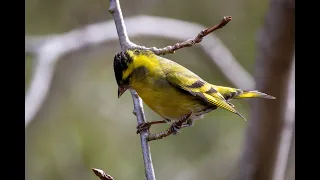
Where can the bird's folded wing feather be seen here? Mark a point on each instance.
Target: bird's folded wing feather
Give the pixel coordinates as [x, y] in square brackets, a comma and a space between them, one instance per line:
[193, 84]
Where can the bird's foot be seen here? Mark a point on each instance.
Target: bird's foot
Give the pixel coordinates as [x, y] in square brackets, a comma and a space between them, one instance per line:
[175, 127]
[185, 121]
[146, 126]
[189, 123]
[143, 126]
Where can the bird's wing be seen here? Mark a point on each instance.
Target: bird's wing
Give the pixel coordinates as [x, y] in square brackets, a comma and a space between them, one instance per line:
[193, 84]
[227, 92]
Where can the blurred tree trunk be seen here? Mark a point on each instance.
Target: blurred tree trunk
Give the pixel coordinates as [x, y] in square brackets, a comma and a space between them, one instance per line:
[273, 66]
[290, 172]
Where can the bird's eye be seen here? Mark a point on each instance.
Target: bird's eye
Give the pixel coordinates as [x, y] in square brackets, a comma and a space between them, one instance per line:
[136, 51]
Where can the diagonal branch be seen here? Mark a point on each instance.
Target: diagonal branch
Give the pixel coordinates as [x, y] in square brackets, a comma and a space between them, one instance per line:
[45, 65]
[116, 12]
[191, 42]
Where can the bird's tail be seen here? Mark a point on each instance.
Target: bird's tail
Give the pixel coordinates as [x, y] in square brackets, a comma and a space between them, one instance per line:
[253, 94]
[232, 93]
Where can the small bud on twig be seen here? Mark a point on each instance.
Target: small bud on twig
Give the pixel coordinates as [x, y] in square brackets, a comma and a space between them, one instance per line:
[101, 174]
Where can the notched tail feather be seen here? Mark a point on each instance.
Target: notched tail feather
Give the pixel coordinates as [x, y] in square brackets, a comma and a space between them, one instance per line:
[253, 94]
[234, 93]
[241, 116]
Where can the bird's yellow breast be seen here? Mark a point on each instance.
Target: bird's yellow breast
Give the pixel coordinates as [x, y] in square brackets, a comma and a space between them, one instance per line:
[156, 92]
[164, 99]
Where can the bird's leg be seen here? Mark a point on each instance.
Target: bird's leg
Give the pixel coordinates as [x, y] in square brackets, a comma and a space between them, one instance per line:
[174, 129]
[189, 123]
[147, 125]
[185, 121]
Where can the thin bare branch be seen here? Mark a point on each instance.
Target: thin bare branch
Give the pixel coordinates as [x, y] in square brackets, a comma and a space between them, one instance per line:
[101, 174]
[191, 42]
[116, 12]
[33, 43]
[125, 43]
[41, 80]
[139, 113]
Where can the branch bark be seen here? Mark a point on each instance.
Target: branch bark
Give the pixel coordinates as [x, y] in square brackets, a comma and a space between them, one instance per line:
[125, 43]
[191, 42]
[274, 63]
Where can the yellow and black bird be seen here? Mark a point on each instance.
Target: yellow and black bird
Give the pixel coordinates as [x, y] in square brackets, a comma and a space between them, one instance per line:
[171, 90]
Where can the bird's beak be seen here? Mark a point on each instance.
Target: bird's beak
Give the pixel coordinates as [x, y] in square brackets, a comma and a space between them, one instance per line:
[121, 90]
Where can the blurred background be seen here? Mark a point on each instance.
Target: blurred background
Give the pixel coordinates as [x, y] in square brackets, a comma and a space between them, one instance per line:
[83, 125]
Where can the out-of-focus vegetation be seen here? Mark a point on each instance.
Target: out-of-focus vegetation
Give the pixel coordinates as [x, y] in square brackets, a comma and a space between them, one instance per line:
[83, 124]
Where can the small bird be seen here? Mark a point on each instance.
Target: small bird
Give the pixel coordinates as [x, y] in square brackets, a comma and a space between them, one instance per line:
[171, 90]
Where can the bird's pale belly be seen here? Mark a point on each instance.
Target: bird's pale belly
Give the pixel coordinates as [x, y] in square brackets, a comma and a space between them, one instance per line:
[169, 102]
